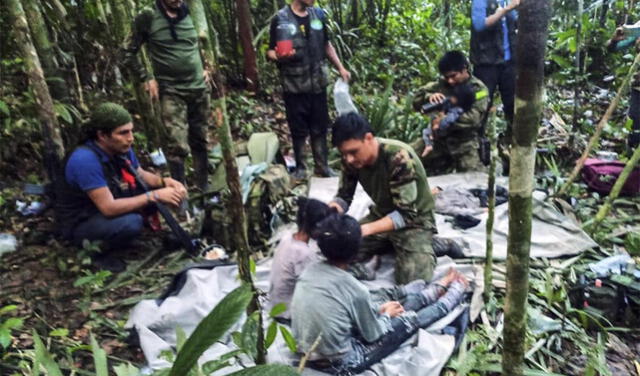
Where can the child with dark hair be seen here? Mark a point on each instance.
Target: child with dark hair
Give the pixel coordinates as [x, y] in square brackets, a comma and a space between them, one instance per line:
[294, 252]
[356, 332]
[461, 100]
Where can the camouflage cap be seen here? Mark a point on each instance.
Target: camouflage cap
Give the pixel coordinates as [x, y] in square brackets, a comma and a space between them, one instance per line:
[107, 117]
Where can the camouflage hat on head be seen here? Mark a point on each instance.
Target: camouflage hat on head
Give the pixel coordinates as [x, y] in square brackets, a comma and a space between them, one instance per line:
[107, 117]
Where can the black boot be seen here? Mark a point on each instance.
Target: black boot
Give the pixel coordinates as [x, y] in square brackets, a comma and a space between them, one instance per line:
[298, 147]
[201, 170]
[320, 155]
[176, 168]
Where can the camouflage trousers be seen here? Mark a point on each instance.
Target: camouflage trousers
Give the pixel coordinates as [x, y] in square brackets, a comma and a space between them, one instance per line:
[446, 158]
[185, 115]
[413, 253]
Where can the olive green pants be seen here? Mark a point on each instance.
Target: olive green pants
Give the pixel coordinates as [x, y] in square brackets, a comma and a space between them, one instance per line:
[412, 249]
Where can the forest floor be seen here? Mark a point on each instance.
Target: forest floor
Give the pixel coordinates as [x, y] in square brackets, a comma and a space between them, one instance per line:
[59, 294]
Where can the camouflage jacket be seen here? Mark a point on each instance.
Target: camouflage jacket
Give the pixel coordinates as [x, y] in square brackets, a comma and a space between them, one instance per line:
[469, 123]
[397, 184]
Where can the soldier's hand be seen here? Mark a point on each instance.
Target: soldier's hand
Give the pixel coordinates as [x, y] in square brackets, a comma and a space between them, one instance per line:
[393, 309]
[436, 98]
[168, 195]
[151, 87]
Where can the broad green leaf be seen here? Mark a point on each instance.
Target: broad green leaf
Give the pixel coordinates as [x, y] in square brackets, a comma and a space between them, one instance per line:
[181, 338]
[8, 308]
[267, 370]
[99, 358]
[60, 332]
[212, 328]
[4, 108]
[12, 323]
[126, 370]
[44, 357]
[278, 309]
[272, 332]
[288, 338]
[223, 361]
[252, 266]
[5, 337]
[249, 337]
[61, 110]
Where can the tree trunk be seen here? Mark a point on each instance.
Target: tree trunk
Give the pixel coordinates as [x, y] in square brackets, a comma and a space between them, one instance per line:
[235, 208]
[33, 69]
[147, 109]
[246, 41]
[578, 73]
[491, 193]
[530, 52]
[603, 122]
[615, 190]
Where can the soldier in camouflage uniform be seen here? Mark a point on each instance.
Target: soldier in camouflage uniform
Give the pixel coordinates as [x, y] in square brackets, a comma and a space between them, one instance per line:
[458, 150]
[179, 80]
[401, 221]
[620, 42]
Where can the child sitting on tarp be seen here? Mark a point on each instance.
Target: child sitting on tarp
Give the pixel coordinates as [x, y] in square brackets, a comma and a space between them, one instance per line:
[458, 103]
[356, 332]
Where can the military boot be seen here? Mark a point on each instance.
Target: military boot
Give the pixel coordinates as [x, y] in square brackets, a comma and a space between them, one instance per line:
[298, 147]
[201, 170]
[320, 155]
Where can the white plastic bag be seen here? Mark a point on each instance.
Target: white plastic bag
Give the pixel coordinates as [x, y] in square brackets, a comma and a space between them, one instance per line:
[342, 99]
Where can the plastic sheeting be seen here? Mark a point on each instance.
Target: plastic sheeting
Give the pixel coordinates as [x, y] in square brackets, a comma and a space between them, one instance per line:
[156, 322]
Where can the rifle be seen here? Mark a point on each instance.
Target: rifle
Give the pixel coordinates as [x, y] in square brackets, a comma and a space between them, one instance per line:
[192, 246]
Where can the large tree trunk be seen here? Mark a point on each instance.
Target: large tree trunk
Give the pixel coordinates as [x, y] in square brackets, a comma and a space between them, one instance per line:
[532, 38]
[44, 103]
[246, 40]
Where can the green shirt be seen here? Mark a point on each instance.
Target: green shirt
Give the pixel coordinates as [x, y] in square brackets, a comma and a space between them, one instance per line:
[396, 182]
[177, 64]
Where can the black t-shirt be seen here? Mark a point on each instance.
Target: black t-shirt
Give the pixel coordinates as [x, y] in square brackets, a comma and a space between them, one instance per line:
[304, 28]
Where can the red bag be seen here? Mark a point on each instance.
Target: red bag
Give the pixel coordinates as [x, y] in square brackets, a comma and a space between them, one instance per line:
[601, 175]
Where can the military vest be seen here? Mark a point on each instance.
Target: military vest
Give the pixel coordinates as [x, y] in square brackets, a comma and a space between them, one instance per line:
[73, 205]
[306, 71]
[487, 46]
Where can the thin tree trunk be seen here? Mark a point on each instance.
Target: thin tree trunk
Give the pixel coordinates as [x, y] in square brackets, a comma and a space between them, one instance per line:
[234, 205]
[246, 41]
[603, 122]
[33, 69]
[148, 110]
[530, 52]
[491, 193]
[615, 191]
[578, 80]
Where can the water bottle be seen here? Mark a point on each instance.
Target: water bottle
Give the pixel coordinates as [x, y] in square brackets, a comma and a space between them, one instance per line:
[284, 38]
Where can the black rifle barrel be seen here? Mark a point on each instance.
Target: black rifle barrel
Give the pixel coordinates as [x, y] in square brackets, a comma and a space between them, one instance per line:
[184, 238]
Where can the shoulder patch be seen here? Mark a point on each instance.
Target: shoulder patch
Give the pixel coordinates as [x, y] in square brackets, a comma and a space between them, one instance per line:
[482, 94]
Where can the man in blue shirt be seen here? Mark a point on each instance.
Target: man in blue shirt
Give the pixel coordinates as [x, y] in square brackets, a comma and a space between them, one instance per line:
[493, 38]
[98, 199]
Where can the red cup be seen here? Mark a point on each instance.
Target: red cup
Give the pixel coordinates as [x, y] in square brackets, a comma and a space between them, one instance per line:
[284, 47]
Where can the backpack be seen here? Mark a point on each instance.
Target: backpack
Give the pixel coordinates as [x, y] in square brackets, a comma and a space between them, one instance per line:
[601, 175]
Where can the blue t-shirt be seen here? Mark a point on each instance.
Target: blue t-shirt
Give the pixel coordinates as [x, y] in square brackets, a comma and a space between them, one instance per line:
[84, 169]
